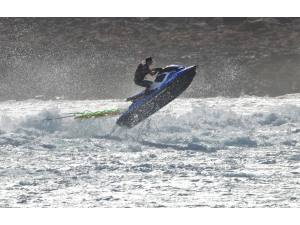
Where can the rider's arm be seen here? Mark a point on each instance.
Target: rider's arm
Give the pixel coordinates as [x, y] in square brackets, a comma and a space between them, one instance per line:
[155, 70]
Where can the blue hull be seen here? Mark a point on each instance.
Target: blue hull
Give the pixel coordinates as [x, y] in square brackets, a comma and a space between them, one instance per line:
[149, 104]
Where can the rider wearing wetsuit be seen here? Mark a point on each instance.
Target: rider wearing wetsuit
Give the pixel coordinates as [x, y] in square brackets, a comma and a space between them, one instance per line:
[142, 70]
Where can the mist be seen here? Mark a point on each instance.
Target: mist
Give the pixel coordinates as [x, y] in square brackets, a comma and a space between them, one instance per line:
[95, 58]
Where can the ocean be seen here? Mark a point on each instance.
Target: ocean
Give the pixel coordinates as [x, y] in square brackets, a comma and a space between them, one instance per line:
[195, 152]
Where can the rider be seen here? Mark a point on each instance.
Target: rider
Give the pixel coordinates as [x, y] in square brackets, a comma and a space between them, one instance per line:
[142, 70]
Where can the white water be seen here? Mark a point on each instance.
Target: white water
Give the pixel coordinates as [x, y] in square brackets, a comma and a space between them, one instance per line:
[215, 152]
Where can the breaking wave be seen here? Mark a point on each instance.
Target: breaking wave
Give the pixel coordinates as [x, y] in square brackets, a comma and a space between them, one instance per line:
[187, 124]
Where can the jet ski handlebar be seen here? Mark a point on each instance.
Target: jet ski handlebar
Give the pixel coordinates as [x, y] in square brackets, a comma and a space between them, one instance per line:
[157, 70]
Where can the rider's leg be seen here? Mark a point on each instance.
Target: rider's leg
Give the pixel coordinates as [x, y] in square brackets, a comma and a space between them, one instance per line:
[144, 83]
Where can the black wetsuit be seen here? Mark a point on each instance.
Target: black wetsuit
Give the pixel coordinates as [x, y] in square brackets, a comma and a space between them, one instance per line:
[140, 73]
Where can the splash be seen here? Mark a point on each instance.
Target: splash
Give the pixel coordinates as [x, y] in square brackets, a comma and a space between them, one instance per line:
[191, 124]
[205, 152]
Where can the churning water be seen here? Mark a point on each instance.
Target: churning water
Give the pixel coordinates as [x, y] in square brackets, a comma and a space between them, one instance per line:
[213, 152]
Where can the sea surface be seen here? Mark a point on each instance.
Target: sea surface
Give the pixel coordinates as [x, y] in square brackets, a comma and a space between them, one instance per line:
[204, 152]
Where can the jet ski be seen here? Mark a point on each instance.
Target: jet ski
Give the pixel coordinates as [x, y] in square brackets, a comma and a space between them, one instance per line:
[170, 82]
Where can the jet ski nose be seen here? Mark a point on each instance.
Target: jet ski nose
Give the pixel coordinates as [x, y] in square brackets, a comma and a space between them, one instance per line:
[192, 68]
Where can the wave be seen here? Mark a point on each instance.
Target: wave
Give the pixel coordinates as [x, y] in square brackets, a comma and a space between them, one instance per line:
[191, 124]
